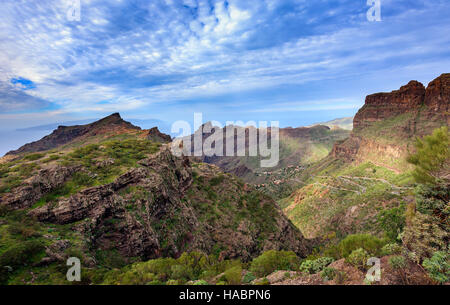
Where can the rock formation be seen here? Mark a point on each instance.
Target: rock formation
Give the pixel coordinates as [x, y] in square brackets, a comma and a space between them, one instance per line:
[110, 125]
[389, 122]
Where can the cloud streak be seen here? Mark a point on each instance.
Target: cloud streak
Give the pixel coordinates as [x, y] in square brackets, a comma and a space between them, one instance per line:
[154, 57]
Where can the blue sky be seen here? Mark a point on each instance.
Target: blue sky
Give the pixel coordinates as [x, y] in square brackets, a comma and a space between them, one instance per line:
[294, 61]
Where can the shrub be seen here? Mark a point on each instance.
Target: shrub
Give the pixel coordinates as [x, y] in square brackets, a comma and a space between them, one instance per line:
[397, 262]
[34, 157]
[51, 158]
[23, 230]
[234, 275]
[17, 256]
[248, 278]
[264, 281]
[314, 266]
[82, 179]
[181, 272]
[424, 236]
[433, 201]
[201, 282]
[217, 180]
[328, 273]
[438, 266]
[358, 258]
[392, 222]
[21, 254]
[273, 260]
[432, 154]
[367, 242]
[390, 249]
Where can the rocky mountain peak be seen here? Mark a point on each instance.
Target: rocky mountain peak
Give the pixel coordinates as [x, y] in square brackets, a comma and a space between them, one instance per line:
[380, 106]
[403, 114]
[112, 124]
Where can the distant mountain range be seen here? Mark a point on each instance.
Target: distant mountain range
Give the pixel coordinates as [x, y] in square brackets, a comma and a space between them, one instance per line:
[344, 123]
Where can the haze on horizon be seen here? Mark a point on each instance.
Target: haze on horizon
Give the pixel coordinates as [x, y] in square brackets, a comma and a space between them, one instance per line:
[295, 61]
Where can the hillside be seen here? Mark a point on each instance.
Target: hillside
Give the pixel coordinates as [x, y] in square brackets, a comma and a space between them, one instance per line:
[368, 172]
[107, 127]
[299, 147]
[125, 199]
[343, 123]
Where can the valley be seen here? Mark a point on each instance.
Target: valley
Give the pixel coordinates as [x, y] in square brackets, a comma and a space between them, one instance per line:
[116, 197]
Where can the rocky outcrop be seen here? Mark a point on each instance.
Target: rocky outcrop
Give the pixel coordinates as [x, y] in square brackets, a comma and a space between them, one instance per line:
[37, 186]
[123, 214]
[156, 136]
[147, 213]
[381, 106]
[66, 134]
[437, 98]
[418, 110]
[109, 126]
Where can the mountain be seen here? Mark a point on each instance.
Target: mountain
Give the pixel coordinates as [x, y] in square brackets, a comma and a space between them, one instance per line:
[343, 123]
[388, 123]
[112, 194]
[299, 147]
[368, 173]
[105, 128]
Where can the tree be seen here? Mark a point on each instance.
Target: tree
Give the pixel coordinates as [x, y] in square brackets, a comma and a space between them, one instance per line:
[432, 158]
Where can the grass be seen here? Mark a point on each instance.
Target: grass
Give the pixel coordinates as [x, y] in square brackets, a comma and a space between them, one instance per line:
[332, 204]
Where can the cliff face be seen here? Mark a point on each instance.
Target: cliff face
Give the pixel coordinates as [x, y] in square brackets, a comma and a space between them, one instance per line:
[381, 106]
[437, 98]
[385, 127]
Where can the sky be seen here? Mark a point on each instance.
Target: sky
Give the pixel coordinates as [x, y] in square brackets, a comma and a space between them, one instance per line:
[294, 61]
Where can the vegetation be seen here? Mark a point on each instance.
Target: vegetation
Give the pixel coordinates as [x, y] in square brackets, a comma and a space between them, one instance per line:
[371, 244]
[438, 266]
[358, 258]
[315, 266]
[328, 273]
[428, 229]
[272, 260]
[432, 159]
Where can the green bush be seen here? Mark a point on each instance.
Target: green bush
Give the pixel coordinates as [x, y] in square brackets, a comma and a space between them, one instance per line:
[18, 255]
[248, 278]
[34, 157]
[431, 156]
[21, 254]
[234, 275]
[217, 180]
[200, 283]
[397, 262]
[367, 242]
[328, 273]
[392, 222]
[315, 266]
[273, 260]
[438, 266]
[181, 272]
[358, 258]
[264, 281]
[390, 249]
